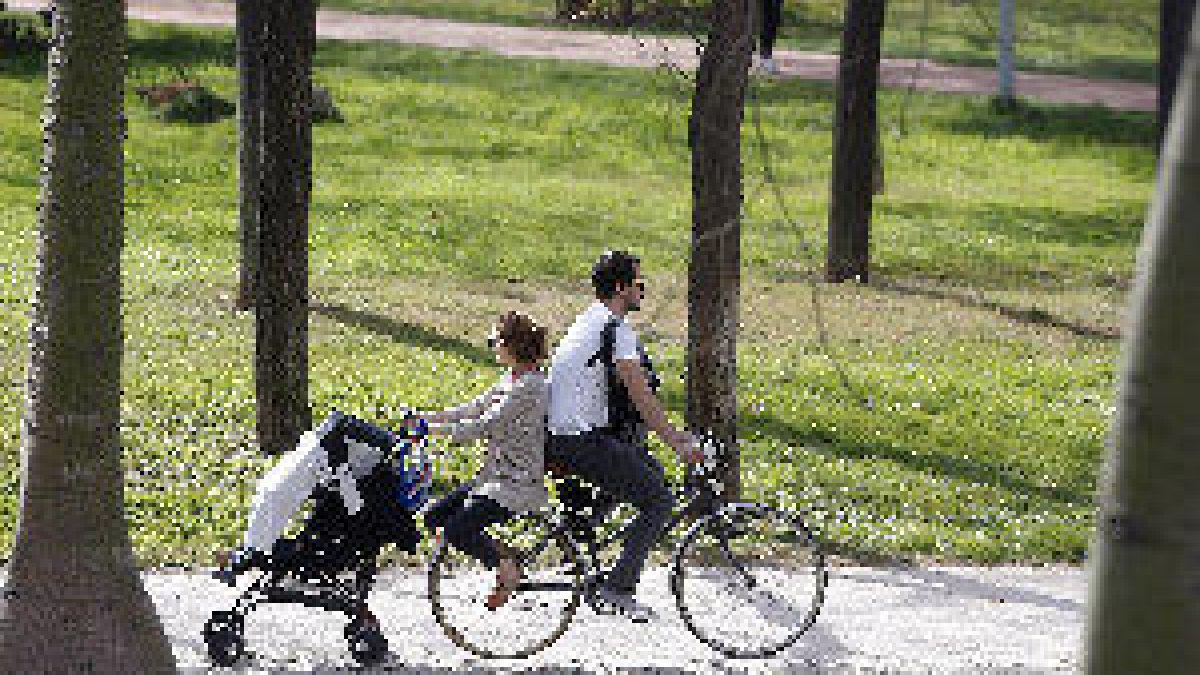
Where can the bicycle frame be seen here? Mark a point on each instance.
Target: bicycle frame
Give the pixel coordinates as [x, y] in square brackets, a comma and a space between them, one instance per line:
[685, 499]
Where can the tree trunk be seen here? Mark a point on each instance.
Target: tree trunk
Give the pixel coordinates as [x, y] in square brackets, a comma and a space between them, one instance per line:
[854, 140]
[1175, 17]
[281, 346]
[74, 601]
[878, 184]
[714, 271]
[250, 82]
[1145, 565]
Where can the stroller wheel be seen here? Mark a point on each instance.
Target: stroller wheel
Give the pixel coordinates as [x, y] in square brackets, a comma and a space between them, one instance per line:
[367, 644]
[223, 637]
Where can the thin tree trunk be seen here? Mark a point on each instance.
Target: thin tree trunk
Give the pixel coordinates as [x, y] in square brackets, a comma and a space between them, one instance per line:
[74, 602]
[854, 141]
[250, 82]
[281, 346]
[878, 184]
[1144, 609]
[714, 273]
[1175, 17]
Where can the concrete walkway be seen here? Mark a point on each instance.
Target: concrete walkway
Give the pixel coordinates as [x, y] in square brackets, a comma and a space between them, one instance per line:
[622, 50]
[874, 620]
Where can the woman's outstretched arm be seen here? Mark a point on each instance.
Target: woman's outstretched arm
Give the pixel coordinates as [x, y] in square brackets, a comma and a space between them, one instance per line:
[505, 409]
[473, 408]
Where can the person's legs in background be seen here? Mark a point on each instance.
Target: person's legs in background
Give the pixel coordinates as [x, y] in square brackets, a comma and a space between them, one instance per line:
[771, 13]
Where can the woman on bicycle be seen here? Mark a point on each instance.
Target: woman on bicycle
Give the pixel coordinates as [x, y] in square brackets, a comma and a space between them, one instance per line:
[510, 415]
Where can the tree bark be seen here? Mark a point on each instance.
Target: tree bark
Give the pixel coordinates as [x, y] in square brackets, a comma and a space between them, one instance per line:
[74, 601]
[281, 320]
[250, 82]
[1144, 607]
[854, 141]
[1175, 18]
[714, 273]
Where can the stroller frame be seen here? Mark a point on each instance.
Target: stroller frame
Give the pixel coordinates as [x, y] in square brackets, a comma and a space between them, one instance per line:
[306, 569]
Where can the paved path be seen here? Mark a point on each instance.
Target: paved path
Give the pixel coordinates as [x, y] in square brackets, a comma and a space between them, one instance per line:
[619, 50]
[937, 620]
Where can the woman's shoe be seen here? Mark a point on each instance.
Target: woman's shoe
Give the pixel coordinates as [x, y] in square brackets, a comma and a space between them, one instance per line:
[508, 577]
[224, 573]
[232, 563]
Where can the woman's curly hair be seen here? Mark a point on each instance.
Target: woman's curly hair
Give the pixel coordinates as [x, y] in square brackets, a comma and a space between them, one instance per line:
[523, 338]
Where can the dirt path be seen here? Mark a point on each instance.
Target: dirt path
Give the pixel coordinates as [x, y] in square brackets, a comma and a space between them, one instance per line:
[621, 50]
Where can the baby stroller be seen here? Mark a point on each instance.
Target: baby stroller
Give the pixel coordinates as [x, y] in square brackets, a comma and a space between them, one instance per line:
[309, 568]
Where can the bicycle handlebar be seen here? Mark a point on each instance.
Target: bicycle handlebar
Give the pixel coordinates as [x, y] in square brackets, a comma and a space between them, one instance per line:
[417, 434]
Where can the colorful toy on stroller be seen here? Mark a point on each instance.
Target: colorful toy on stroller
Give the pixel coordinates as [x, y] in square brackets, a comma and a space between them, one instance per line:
[366, 482]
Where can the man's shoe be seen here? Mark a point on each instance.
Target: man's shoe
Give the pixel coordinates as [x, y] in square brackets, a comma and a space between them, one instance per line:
[625, 604]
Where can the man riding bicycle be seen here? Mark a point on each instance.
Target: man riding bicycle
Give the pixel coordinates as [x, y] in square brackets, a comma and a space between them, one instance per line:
[601, 403]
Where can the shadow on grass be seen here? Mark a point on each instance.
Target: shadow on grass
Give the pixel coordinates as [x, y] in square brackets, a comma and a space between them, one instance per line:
[25, 67]
[1052, 122]
[942, 465]
[1032, 316]
[169, 46]
[401, 331]
[150, 46]
[1117, 225]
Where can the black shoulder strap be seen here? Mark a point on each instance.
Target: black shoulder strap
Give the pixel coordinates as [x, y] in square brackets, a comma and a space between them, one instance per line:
[608, 340]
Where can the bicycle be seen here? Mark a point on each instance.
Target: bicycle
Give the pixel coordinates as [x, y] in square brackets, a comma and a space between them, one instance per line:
[732, 552]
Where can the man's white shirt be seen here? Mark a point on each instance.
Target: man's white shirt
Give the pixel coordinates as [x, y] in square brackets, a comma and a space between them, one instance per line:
[578, 393]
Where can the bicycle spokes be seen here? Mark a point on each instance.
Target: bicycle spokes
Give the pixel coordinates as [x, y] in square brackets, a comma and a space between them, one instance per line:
[749, 582]
[536, 614]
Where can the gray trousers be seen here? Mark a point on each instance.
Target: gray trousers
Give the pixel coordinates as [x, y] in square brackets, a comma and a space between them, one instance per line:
[630, 474]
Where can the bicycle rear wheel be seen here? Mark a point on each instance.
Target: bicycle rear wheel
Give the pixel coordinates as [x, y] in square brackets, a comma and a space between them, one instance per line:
[536, 614]
[749, 580]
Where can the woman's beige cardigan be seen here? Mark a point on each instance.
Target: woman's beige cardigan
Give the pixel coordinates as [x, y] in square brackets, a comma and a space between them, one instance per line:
[512, 417]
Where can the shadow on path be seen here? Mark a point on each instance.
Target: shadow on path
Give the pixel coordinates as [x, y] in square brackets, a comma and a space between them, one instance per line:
[958, 585]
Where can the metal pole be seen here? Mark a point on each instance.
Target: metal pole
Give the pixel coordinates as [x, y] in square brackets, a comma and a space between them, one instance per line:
[1004, 60]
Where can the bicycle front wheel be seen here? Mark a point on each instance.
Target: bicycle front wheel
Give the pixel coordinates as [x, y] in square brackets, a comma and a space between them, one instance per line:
[749, 580]
[539, 610]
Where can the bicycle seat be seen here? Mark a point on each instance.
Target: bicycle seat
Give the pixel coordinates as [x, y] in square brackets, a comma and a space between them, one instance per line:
[557, 469]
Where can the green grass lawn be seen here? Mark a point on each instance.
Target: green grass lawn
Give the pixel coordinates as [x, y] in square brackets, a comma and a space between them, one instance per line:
[1096, 38]
[463, 185]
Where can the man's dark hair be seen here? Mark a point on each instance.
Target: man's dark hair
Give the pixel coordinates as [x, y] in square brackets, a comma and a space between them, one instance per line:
[612, 268]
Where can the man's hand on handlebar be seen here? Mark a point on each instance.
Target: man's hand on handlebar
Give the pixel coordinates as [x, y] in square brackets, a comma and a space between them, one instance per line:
[687, 447]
